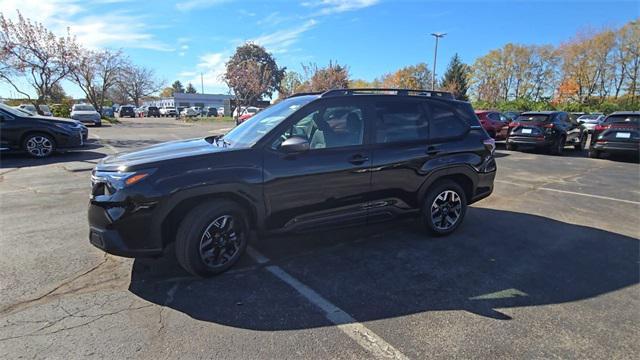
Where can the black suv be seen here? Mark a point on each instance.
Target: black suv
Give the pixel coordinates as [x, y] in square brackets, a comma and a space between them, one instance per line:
[618, 133]
[39, 136]
[151, 111]
[126, 111]
[311, 162]
[552, 130]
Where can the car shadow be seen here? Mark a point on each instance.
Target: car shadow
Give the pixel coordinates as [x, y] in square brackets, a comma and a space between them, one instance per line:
[18, 160]
[394, 269]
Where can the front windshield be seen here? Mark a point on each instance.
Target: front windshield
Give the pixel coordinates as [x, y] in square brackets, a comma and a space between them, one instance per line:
[83, 108]
[15, 111]
[249, 132]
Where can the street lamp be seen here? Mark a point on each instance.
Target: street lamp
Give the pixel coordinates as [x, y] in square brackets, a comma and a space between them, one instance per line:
[435, 57]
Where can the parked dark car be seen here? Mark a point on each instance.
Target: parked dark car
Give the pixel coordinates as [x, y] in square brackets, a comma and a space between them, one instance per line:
[39, 136]
[618, 133]
[312, 161]
[210, 111]
[126, 111]
[552, 130]
[107, 111]
[494, 123]
[151, 111]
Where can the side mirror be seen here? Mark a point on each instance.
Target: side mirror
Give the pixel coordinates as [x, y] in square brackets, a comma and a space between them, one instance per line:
[580, 121]
[295, 144]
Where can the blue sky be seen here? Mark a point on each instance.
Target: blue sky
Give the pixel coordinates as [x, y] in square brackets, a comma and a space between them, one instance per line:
[180, 39]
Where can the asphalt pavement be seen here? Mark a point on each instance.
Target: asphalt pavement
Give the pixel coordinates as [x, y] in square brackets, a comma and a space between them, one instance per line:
[546, 267]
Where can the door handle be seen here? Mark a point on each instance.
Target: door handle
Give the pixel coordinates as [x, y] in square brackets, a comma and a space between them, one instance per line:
[432, 150]
[358, 159]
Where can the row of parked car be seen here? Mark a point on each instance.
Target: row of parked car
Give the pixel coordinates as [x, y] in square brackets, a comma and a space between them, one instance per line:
[167, 111]
[554, 130]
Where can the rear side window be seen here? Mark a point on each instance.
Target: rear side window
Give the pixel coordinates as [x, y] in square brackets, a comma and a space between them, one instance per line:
[399, 121]
[628, 119]
[447, 121]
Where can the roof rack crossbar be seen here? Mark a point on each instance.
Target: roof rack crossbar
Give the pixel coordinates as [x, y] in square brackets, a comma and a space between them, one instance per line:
[305, 93]
[399, 92]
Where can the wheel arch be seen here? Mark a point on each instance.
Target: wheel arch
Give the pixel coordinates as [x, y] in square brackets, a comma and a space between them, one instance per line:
[463, 175]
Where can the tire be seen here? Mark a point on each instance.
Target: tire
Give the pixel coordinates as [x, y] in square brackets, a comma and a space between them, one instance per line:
[212, 218]
[512, 147]
[557, 148]
[39, 145]
[583, 141]
[594, 154]
[440, 194]
[98, 124]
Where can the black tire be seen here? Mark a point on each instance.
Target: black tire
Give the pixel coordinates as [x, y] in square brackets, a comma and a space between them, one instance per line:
[595, 154]
[191, 235]
[511, 147]
[42, 151]
[582, 144]
[436, 191]
[99, 124]
[557, 148]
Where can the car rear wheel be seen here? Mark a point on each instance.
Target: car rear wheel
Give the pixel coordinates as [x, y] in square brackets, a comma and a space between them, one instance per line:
[512, 147]
[39, 145]
[212, 237]
[444, 208]
[595, 154]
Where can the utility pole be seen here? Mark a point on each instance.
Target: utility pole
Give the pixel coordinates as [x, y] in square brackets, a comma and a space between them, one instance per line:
[201, 84]
[435, 58]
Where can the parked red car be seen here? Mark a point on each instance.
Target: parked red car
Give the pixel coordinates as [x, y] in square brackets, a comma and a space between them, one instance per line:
[495, 124]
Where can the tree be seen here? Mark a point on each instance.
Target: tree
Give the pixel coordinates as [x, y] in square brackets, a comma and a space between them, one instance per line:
[57, 94]
[167, 92]
[32, 52]
[137, 82]
[455, 78]
[177, 87]
[252, 73]
[364, 84]
[334, 76]
[190, 89]
[95, 72]
[290, 84]
[409, 77]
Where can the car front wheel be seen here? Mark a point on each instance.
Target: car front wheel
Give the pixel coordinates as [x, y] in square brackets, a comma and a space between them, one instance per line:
[444, 208]
[39, 145]
[212, 238]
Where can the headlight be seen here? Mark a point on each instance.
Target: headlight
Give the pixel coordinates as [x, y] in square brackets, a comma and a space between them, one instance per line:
[117, 180]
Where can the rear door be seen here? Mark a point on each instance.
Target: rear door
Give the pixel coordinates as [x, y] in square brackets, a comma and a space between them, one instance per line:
[328, 185]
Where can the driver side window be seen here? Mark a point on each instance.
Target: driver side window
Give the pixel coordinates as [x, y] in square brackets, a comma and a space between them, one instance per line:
[329, 127]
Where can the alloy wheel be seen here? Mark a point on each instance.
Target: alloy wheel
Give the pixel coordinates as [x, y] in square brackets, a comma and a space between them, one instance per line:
[220, 241]
[39, 146]
[446, 209]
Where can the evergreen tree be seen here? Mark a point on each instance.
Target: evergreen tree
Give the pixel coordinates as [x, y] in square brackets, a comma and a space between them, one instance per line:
[177, 87]
[190, 89]
[455, 78]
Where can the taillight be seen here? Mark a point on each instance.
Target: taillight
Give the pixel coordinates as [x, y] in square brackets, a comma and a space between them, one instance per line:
[548, 126]
[490, 144]
[513, 124]
[601, 127]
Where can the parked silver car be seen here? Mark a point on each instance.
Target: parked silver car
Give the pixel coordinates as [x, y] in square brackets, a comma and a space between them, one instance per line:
[85, 113]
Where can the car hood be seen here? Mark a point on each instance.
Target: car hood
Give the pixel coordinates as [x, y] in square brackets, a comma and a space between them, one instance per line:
[161, 152]
[55, 119]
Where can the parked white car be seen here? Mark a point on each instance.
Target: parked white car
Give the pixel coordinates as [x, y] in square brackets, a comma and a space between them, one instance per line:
[189, 112]
[167, 111]
[591, 120]
[85, 113]
[32, 109]
[245, 110]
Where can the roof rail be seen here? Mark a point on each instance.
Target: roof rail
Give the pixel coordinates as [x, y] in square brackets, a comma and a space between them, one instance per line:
[399, 92]
[304, 93]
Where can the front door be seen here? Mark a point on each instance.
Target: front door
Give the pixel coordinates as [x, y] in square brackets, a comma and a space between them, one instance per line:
[327, 185]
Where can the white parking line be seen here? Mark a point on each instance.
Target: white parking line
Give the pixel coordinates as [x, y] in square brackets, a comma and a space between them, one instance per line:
[568, 192]
[366, 338]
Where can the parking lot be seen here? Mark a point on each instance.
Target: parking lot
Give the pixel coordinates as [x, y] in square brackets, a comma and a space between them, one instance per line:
[546, 267]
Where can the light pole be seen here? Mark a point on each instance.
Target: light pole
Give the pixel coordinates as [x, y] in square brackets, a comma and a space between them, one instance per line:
[435, 57]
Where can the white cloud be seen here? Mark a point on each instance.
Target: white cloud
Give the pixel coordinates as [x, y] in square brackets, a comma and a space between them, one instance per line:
[184, 47]
[327, 7]
[189, 5]
[280, 41]
[117, 28]
[212, 67]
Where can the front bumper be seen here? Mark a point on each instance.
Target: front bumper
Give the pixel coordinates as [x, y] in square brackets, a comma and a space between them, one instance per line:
[123, 229]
